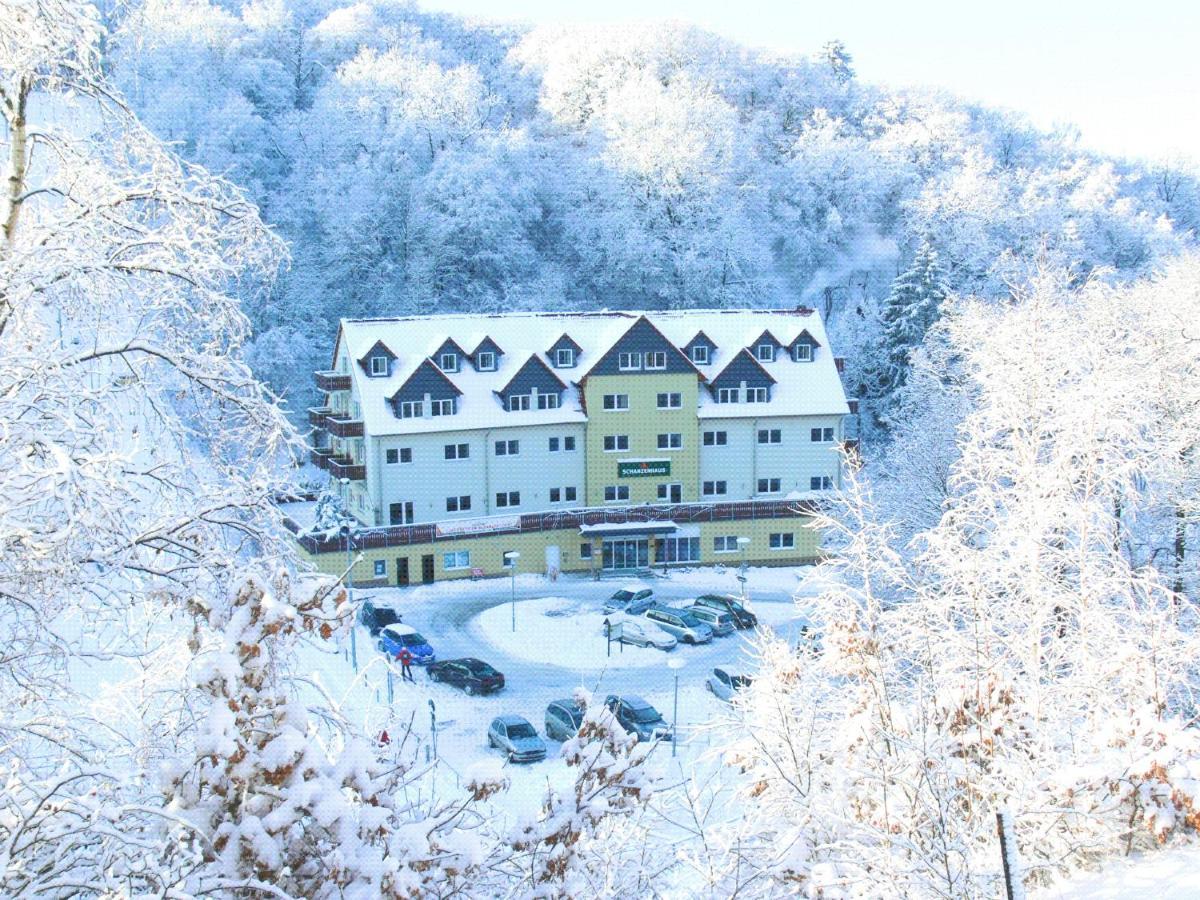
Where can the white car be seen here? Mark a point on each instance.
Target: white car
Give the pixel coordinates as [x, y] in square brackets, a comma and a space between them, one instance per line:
[725, 681]
[638, 633]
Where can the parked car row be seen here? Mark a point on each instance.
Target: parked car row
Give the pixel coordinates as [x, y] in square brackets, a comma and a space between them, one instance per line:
[709, 616]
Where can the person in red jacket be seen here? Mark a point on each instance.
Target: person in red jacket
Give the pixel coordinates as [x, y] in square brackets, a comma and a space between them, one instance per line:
[405, 658]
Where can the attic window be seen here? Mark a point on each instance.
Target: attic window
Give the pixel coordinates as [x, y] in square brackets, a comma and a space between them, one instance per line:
[802, 353]
[700, 354]
[727, 395]
[448, 362]
[629, 361]
[485, 361]
[766, 353]
[379, 366]
[656, 359]
[564, 357]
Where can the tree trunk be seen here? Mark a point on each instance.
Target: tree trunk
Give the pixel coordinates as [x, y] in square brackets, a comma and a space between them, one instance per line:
[18, 161]
[1180, 548]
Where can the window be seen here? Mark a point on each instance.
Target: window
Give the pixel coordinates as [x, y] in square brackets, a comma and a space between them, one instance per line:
[485, 361]
[716, 438]
[569, 444]
[616, 401]
[670, 401]
[508, 448]
[671, 493]
[615, 442]
[380, 564]
[614, 493]
[802, 353]
[756, 395]
[443, 407]
[700, 354]
[547, 401]
[713, 488]
[560, 495]
[766, 352]
[458, 504]
[457, 451]
[518, 402]
[770, 436]
[784, 540]
[397, 455]
[725, 544]
[555, 495]
[564, 357]
[508, 498]
[400, 513]
[553, 445]
[768, 485]
[457, 560]
[448, 362]
[821, 435]
[379, 365]
[678, 550]
[656, 359]
[569, 494]
[629, 361]
[585, 551]
[671, 441]
[820, 483]
[412, 409]
[727, 395]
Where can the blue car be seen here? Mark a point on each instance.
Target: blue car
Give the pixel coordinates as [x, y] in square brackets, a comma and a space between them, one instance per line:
[394, 638]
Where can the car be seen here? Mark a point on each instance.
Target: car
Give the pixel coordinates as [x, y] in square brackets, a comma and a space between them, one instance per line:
[376, 618]
[721, 623]
[394, 638]
[517, 738]
[637, 633]
[632, 599]
[473, 675]
[638, 717]
[742, 617]
[686, 628]
[725, 681]
[563, 719]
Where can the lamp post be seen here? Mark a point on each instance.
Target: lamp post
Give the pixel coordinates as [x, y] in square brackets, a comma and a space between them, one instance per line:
[510, 560]
[675, 663]
[348, 530]
[743, 544]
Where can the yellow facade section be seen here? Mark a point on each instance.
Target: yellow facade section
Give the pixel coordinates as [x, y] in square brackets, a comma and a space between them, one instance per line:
[642, 423]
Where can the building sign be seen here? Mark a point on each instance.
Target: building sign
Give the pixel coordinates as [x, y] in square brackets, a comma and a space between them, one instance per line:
[641, 468]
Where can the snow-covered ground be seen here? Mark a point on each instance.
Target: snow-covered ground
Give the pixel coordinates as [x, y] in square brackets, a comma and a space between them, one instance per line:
[1168, 875]
[558, 646]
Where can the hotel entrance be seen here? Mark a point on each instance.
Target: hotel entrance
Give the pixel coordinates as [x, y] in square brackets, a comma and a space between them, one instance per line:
[625, 553]
[625, 546]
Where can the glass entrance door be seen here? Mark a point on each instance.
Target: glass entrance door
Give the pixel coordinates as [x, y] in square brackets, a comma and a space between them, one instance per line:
[626, 553]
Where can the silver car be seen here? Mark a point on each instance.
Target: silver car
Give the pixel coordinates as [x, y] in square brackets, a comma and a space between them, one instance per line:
[639, 633]
[721, 623]
[631, 599]
[517, 738]
[681, 623]
[563, 720]
[725, 681]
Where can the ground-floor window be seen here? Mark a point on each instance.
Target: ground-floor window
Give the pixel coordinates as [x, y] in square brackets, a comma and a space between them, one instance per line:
[678, 549]
[460, 559]
[585, 551]
[626, 553]
[381, 568]
[726, 543]
[785, 540]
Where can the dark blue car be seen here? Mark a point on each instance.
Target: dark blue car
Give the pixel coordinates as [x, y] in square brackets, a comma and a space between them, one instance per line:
[394, 638]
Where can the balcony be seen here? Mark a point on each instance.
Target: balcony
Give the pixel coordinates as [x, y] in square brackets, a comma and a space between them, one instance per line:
[331, 381]
[342, 427]
[344, 467]
[317, 415]
[321, 457]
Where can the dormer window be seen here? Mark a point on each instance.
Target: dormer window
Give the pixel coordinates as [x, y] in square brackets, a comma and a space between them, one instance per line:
[547, 401]
[412, 409]
[727, 395]
[700, 355]
[756, 395]
[444, 407]
[765, 353]
[518, 402]
[629, 361]
[564, 358]
[802, 353]
[448, 362]
[379, 366]
[485, 361]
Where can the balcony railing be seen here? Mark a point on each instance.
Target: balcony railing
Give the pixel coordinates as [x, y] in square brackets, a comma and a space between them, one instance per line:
[317, 415]
[343, 427]
[344, 467]
[332, 381]
[321, 457]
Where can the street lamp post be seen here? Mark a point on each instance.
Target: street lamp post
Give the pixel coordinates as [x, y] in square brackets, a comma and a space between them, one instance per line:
[744, 544]
[510, 560]
[675, 664]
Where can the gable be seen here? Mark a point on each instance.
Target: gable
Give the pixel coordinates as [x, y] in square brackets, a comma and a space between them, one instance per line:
[743, 367]
[487, 345]
[564, 341]
[804, 338]
[533, 374]
[427, 379]
[700, 340]
[642, 337]
[379, 349]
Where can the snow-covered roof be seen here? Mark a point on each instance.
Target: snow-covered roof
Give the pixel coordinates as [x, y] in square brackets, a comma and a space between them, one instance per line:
[808, 388]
